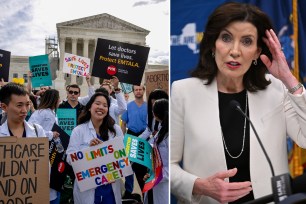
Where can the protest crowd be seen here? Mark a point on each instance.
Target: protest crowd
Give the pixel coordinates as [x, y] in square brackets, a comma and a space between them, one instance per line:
[78, 127]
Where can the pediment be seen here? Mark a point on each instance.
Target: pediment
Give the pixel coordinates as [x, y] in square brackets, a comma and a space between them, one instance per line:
[102, 21]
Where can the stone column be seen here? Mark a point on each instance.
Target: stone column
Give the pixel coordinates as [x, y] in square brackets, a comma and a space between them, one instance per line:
[85, 54]
[59, 82]
[93, 79]
[74, 51]
[62, 53]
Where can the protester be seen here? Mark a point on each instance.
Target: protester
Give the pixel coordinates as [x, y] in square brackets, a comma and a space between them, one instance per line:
[134, 118]
[95, 126]
[160, 140]
[153, 125]
[46, 117]
[73, 93]
[46, 112]
[15, 102]
[82, 100]
[221, 159]
[118, 105]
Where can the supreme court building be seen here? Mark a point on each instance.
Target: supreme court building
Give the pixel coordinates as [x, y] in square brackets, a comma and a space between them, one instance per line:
[79, 37]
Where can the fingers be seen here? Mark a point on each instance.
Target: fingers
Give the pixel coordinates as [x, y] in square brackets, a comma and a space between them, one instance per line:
[115, 81]
[55, 134]
[146, 177]
[226, 174]
[273, 43]
[95, 141]
[266, 60]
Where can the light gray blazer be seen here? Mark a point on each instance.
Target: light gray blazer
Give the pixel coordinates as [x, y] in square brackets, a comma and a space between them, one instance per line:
[196, 138]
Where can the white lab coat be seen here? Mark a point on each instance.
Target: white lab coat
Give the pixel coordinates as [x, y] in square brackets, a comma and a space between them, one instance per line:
[46, 118]
[118, 106]
[30, 132]
[29, 128]
[80, 139]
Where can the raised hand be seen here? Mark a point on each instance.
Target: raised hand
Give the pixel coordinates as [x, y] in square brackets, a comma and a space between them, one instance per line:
[278, 67]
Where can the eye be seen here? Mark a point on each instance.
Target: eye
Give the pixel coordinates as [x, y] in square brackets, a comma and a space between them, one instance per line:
[247, 41]
[226, 37]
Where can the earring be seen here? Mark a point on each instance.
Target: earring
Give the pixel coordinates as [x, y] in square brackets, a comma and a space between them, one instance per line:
[213, 54]
[255, 62]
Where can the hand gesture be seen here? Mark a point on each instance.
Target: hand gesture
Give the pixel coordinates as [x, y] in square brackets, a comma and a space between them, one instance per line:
[94, 142]
[115, 82]
[30, 74]
[220, 190]
[146, 176]
[278, 67]
[88, 77]
[55, 134]
[2, 82]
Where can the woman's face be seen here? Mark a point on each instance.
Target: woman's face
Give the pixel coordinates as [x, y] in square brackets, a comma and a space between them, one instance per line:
[99, 108]
[235, 49]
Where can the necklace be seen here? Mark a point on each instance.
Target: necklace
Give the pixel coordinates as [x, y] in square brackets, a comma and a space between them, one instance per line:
[243, 139]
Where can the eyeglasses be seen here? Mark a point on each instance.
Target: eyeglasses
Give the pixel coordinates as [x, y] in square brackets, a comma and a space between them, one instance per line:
[73, 92]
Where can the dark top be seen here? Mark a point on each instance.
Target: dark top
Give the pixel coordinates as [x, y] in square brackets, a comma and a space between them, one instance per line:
[24, 134]
[232, 123]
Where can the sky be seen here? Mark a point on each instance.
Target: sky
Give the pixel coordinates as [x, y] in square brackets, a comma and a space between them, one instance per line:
[24, 24]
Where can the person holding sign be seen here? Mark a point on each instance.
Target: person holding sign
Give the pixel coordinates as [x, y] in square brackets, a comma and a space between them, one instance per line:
[40, 92]
[153, 125]
[45, 114]
[95, 126]
[15, 102]
[118, 105]
[160, 111]
[46, 117]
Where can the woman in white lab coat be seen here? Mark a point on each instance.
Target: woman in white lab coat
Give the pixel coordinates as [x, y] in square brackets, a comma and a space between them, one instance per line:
[45, 116]
[95, 126]
[161, 114]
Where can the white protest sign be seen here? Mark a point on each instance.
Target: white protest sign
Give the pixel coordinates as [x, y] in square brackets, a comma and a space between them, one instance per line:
[76, 65]
[101, 164]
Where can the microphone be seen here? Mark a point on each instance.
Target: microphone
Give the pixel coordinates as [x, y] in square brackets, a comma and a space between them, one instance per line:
[281, 184]
[298, 188]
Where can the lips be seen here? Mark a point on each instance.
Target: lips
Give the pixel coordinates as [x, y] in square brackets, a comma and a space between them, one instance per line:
[233, 65]
[100, 112]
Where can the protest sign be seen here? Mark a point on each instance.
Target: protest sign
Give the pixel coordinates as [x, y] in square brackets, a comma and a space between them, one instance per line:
[24, 170]
[76, 65]
[66, 119]
[5, 57]
[59, 167]
[156, 174]
[100, 164]
[124, 60]
[157, 80]
[40, 68]
[138, 150]
[126, 88]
